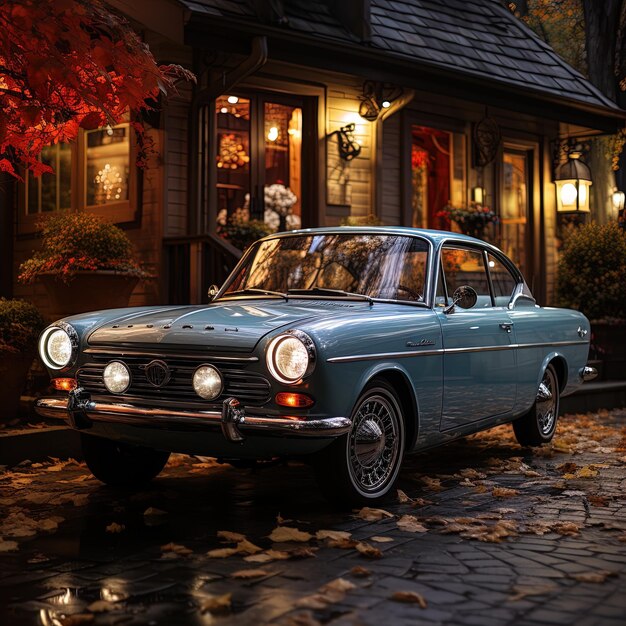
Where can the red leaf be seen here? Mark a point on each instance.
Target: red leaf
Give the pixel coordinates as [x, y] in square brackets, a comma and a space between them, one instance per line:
[92, 120]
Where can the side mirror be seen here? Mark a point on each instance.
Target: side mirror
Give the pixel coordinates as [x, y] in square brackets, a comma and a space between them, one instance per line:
[464, 297]
[212, 292]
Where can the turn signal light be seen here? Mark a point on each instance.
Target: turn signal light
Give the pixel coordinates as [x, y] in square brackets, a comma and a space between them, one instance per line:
[64, 384]
[294, 400]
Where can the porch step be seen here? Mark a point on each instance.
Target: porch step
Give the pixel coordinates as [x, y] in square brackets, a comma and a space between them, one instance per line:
[605, 394]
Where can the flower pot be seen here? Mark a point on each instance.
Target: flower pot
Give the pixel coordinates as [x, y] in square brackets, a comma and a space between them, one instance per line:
[87, 291]
[13, 372]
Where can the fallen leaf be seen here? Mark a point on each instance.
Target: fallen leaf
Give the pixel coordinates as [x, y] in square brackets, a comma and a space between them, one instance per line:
[250, 573]
[409, 597]
[247, 547]
[114, 528]
[8, 546]
[221, 553]
[286, 533]
[504, 492]
[402, 497]
[153, 512]
[434, 484]
[175, 548]
[329, 593]
[216, 605]
[334, 535]
[373, 515]
[587, 472]
[230, 536]
[522, 591]
[368, 550]
[410, 523]
[358, 571]
[598, 501]
[379, 539]
[598, 576]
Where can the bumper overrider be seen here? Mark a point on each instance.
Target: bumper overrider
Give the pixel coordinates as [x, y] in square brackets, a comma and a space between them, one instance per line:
[80, 411]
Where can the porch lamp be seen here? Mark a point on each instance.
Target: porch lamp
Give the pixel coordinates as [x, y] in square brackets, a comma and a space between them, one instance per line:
[572, 181]
[618, 197]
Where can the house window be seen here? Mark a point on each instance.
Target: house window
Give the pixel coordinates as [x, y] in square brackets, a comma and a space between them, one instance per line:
[438, 172]
[260, 159]
[107, 165]
[50, 192]
[94, 173]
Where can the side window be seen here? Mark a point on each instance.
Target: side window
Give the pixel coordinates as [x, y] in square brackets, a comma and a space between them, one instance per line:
[465, 266]
[502, 281]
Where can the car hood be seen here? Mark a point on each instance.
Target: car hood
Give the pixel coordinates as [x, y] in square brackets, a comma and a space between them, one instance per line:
[233, 325]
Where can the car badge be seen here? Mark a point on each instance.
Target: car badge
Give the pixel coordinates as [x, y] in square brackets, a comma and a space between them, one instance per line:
[157, 373]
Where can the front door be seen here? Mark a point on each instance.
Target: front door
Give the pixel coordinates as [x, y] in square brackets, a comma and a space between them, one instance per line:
[264, 156]
[479, 358]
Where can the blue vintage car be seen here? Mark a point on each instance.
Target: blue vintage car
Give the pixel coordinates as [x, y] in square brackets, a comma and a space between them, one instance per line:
[347, 346]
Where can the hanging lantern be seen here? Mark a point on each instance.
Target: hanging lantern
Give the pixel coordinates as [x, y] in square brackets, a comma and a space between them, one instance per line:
[618, 197]
[572, 181]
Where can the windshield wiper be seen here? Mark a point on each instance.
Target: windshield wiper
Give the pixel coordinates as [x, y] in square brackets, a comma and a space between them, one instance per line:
[330, 292]
[255, 291]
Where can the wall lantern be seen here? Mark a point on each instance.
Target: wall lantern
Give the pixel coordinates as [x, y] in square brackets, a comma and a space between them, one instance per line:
[479, 195]
[376, 98]
[572, 180]
[618, 197]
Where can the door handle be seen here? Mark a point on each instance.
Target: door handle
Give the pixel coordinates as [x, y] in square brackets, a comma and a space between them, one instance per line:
[508, 326]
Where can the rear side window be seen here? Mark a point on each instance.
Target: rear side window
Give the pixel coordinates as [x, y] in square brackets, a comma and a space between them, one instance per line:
[502, 280]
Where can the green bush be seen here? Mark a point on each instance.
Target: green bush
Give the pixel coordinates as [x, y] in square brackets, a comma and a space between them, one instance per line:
[20, 326]
[242, 232]
[592, 271]
[79, 241]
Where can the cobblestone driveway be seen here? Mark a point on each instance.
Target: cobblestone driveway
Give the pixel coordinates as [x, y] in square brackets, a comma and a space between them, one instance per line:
[485, 533]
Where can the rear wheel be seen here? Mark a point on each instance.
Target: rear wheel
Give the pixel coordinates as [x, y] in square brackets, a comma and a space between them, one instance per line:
[362, 466]
[539, 424]
[121, 464]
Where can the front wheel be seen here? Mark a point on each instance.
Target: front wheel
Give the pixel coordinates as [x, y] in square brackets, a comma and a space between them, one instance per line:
[121, 464]
[539, 424]
[362, 466]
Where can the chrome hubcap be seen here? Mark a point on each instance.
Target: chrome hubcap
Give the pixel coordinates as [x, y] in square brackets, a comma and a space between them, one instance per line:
[374, 443]
[546, 403]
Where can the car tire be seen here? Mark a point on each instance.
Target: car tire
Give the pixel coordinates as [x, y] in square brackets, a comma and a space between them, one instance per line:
[362, 466]
[121, 464]
[539, 425]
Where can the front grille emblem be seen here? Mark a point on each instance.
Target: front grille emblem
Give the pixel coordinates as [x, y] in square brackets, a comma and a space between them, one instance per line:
[157, 373]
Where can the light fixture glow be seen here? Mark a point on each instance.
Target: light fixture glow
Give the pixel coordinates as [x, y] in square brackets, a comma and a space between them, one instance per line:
[272, 135]
[233, 99]
[385, 104]
[116, 377]
[207, 382]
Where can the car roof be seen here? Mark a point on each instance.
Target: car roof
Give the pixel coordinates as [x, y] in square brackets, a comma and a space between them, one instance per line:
[435, 236]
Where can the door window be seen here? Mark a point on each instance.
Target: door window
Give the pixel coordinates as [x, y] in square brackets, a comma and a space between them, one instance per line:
[514, 210]
[466, 266]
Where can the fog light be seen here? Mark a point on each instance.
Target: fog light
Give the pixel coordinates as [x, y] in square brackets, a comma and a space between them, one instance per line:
[207, 382]
[294, 400]
[64, 384]
[116, 377]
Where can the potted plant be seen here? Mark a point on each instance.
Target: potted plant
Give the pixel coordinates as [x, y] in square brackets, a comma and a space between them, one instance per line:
[591, 278]
[85, 263]
[471, 220]
[20, 325]
[241, 231]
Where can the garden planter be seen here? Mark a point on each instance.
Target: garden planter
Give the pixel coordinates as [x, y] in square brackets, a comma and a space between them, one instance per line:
[13, 372]
[608, 344]
[87, 291]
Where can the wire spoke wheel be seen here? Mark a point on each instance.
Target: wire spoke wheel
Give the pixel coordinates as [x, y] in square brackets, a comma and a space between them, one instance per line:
[374, 443]
[547, 404]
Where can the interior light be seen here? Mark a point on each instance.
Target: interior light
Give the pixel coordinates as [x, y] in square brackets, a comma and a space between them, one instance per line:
[272, 135]
[233, 99]
[386, 104]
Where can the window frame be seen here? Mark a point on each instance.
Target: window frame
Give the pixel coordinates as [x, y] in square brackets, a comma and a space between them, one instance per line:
[118, 212]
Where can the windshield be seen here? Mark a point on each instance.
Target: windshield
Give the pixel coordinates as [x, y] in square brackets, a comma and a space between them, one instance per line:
[377, 266]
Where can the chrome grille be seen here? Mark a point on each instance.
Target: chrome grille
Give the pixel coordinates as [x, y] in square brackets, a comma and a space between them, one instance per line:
[250, 388]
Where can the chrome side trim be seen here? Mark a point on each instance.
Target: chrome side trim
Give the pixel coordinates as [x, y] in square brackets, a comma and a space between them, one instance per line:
[150, 416]
[165, 355]
[401, 355]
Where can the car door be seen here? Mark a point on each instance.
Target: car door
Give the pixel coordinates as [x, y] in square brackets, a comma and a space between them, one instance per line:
[479, 357]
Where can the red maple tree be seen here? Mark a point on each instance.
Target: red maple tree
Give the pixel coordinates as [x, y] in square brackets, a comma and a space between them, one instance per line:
[65, 65]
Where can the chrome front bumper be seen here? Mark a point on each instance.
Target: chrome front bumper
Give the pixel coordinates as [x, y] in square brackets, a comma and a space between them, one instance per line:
[587, 373]
[80, 411]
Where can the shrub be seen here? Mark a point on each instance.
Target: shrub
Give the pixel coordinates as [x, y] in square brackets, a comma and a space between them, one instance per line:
[243, 232]
[79, 241]
[592, 271]
[20, 325]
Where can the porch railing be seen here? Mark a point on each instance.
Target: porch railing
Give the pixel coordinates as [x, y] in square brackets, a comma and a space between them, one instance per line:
[194, 263]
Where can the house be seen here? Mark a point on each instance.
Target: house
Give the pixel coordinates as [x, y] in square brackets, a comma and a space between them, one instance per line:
[391, 108]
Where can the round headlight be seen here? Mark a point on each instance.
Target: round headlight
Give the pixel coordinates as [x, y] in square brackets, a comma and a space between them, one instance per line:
[116, 377]
[207, 382]
[289, 357]
[56, 347]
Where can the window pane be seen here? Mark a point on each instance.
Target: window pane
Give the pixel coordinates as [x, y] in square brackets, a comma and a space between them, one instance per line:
[283, 165]
[48, 182]
[50, 192]
[233, 157]
[107, 165]
[466, 267]
[502, 280]
[33, 194]
[514, 207]
[64, 173]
